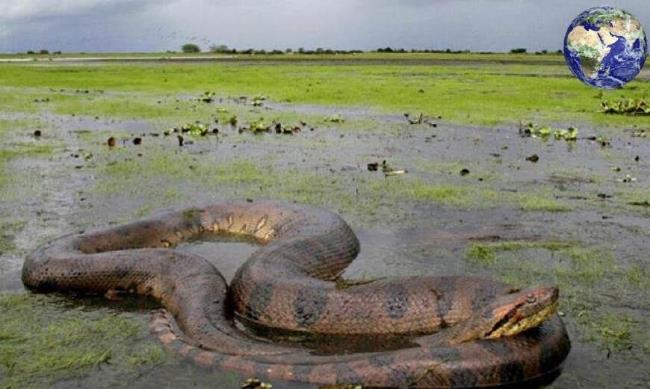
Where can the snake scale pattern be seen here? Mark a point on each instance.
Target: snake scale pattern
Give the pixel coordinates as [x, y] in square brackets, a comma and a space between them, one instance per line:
[468, 331]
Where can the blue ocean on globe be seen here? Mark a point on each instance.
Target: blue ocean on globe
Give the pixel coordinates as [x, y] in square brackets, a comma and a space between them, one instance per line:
[605, 47]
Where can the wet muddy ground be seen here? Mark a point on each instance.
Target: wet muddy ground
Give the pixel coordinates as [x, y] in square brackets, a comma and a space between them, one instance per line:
[474, 201]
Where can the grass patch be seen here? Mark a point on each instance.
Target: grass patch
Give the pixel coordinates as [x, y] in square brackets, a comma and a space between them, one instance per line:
[587, 265]
[536, 203]
[613, 332]
[42, 343]
[147, 354]
[429, 191]
[486, 253]
[639, 276]
[419, 190]
[481, 92]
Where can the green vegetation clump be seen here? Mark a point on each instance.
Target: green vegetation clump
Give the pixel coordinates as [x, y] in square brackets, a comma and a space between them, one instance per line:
[220, 49]
[639, 276]
[537, 203]
[626, 107]
[258, 100]
[486, 253]
[195, 128]
[207, 97]
[259, 126]
[544, 132]
[336, 118]
[481, 254]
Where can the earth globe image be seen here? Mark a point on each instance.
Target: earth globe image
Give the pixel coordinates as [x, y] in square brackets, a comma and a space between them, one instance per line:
[605, 47]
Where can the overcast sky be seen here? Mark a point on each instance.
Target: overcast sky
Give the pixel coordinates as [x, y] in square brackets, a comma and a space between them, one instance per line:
[154, 25]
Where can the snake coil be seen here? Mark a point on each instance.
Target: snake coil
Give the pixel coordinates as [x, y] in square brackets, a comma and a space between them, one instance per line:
[289, 284]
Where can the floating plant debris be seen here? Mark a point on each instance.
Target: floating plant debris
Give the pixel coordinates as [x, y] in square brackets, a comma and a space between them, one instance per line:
[254, 383]
[336, 118]
[626, 107]
[627, 179]
[258, 100]
[207, 97]
[544, 132]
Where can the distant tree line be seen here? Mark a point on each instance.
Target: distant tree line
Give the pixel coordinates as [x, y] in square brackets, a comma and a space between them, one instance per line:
[223, 49]
[190, 48]
[42, 51]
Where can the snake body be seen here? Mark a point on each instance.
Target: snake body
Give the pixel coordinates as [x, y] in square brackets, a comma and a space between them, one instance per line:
[290, 284]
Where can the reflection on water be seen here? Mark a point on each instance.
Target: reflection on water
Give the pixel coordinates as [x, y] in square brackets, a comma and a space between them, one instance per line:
[225, 255]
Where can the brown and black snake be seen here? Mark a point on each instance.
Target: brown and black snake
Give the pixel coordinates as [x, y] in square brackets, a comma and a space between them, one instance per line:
[469, 331]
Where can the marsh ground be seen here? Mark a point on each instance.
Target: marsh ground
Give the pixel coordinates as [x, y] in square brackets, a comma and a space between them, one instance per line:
[474, 200]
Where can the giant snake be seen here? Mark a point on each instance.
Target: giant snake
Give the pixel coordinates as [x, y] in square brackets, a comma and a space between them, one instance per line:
[468, 331]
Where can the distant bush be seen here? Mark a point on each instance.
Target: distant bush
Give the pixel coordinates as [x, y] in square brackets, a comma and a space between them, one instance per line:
[219, 49]
[43, 51]
[191, 48]
[519, 50]
[30, 52]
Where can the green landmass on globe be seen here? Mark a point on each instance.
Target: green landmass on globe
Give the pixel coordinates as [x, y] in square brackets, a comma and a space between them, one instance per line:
[605, 47]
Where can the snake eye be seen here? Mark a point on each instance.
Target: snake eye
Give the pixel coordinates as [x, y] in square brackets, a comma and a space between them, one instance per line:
[531, 298]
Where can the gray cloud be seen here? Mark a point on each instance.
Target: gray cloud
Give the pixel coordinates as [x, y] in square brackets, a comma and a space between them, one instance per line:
[145, 25]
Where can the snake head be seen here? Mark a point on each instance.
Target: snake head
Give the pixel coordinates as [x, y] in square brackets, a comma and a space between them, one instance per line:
[509, 314]
[516, 312]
